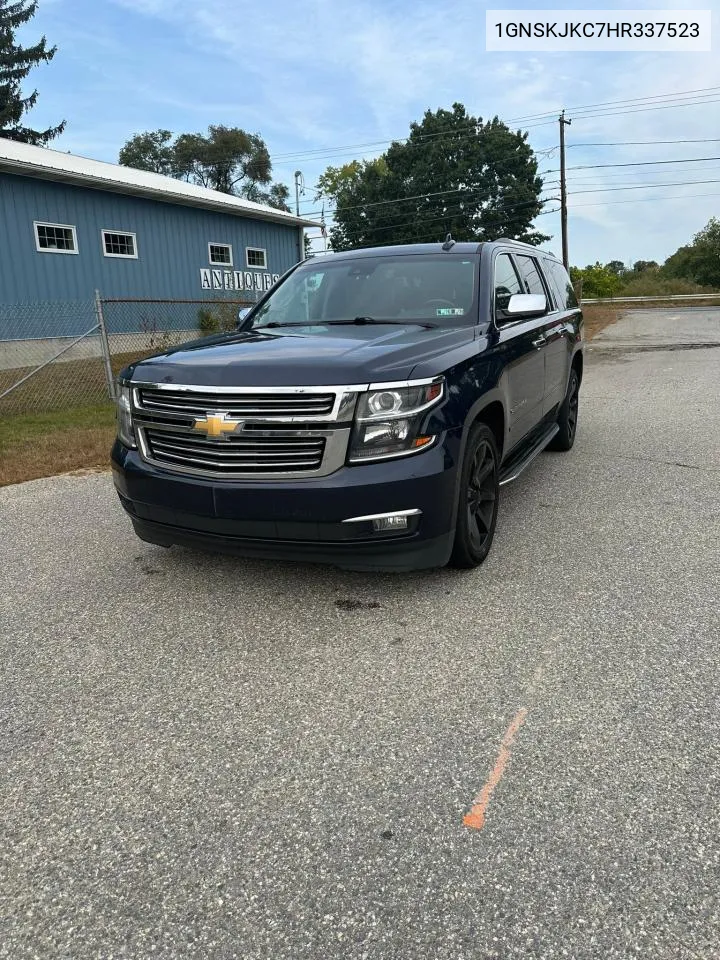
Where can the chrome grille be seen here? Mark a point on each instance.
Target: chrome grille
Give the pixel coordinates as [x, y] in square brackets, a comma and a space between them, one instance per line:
[241, 404]
[247, 453]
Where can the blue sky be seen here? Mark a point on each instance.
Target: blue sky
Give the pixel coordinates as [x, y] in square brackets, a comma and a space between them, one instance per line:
[319, 77]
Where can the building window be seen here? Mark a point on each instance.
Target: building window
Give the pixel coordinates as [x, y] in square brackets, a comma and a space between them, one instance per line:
[256, 257]
[221, 254]
[55, 238]
[119, 244]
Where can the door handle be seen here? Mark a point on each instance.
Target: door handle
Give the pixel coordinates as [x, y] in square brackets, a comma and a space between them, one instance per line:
[540, 342]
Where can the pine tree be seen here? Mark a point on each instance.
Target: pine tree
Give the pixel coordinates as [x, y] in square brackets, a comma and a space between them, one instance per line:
[16, 62]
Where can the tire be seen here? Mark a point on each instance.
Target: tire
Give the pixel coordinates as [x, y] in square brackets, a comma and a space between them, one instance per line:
[477, 499]
[568, 416]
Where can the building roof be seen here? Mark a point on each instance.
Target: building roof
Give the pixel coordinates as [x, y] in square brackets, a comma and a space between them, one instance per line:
[30, 161]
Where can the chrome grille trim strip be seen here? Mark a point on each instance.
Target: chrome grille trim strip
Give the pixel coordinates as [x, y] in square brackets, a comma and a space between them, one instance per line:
[221, 399]
[309, 466]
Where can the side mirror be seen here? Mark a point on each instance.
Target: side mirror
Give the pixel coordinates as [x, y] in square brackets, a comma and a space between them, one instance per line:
[526, 305]
[241, 317]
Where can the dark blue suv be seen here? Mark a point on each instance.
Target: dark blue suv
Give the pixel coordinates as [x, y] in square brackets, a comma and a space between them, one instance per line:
[365, 412]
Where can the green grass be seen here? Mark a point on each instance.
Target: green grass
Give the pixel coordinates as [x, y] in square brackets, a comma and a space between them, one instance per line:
[36, 445]
[29, 425]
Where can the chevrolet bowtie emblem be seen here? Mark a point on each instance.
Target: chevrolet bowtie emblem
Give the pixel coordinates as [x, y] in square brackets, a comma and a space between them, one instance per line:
[217, 424]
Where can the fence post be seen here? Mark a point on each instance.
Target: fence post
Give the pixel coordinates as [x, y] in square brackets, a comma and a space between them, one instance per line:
[105, 346]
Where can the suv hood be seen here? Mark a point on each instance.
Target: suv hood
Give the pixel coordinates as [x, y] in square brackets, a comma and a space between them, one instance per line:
[286, 358]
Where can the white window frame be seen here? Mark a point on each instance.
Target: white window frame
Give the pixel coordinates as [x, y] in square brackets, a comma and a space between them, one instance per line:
[214, 263]
[62, 226]
[255, 266]
[122, 233]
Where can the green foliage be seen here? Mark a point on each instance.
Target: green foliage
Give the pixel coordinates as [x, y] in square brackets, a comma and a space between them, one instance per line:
[700, 260]
[641, 266]
[596, 281]
[16, 62]
[617, 267]
[150, 151]
[207, 322]
[694, 268]
[645, 279]
[651, 283]
[348, 177]
[218, 318]
[228, 159]
[454, 174]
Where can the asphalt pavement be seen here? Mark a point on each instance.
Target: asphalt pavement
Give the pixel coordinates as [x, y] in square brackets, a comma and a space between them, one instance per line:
[204, 757]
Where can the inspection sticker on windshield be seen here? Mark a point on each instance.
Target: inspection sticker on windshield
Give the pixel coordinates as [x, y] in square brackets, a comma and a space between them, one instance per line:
[450, 312]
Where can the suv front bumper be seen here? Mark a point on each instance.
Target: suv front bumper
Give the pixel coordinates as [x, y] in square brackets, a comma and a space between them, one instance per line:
[301, 519]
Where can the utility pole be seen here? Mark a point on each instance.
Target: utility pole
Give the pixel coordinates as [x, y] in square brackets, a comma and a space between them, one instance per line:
[299, 188]
[563, 191]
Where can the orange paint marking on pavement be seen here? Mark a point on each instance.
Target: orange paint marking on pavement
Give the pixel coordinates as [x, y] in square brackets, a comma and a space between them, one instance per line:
[476, 817]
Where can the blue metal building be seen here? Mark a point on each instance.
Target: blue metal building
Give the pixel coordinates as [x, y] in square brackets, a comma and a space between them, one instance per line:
[70, 226]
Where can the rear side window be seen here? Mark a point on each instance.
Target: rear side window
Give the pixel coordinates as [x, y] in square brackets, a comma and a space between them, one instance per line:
[530, 273]
[506, 282]
[557, 274]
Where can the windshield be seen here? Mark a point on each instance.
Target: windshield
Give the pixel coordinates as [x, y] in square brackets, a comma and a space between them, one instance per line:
[431, 288]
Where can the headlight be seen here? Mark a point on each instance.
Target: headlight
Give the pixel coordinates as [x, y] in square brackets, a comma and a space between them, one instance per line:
[397, 401]
[388, 421]
[125, 431]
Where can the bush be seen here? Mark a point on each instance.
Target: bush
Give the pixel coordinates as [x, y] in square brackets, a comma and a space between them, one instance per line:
[222, 318]
[207, 322]
[595, 281]
[652, 284]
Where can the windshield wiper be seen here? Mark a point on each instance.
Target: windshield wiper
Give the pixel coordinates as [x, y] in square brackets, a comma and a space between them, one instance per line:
[281, 323]
[359, 321]
[356, 321]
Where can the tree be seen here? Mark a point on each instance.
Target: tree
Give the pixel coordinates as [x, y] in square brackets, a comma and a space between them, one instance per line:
[617, 267]
[349, 176]
[16, 62]
[276, 196]
[151, 151]
[597, 280]
[454, 174]
[681, 264]
[641, 266]
[228, 159]
[700, 260]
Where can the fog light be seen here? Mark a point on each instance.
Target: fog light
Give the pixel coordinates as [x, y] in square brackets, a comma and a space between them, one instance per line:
[396, 522]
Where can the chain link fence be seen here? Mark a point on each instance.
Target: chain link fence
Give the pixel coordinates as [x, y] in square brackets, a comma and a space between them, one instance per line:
[61, 355]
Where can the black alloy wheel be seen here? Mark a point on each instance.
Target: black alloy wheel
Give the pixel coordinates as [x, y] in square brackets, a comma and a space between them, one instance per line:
[568, 415]
[478, 499]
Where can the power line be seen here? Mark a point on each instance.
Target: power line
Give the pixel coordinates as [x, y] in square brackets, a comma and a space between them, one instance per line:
[610, 182]
[433, 234]
[613, 203]
[706, 91]
[642, 143]
[494, 166]
[647, 186]
[455, 191]
[452, 212]
[625, 113]
[418, 140]
[456, 209]
[635, 104]
[468, 193]
[639, 163]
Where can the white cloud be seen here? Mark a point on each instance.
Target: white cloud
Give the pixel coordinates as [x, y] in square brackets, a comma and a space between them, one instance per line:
[332, 72]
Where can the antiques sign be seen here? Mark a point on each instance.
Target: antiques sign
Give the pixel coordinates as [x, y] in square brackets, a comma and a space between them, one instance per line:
[212, 278]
